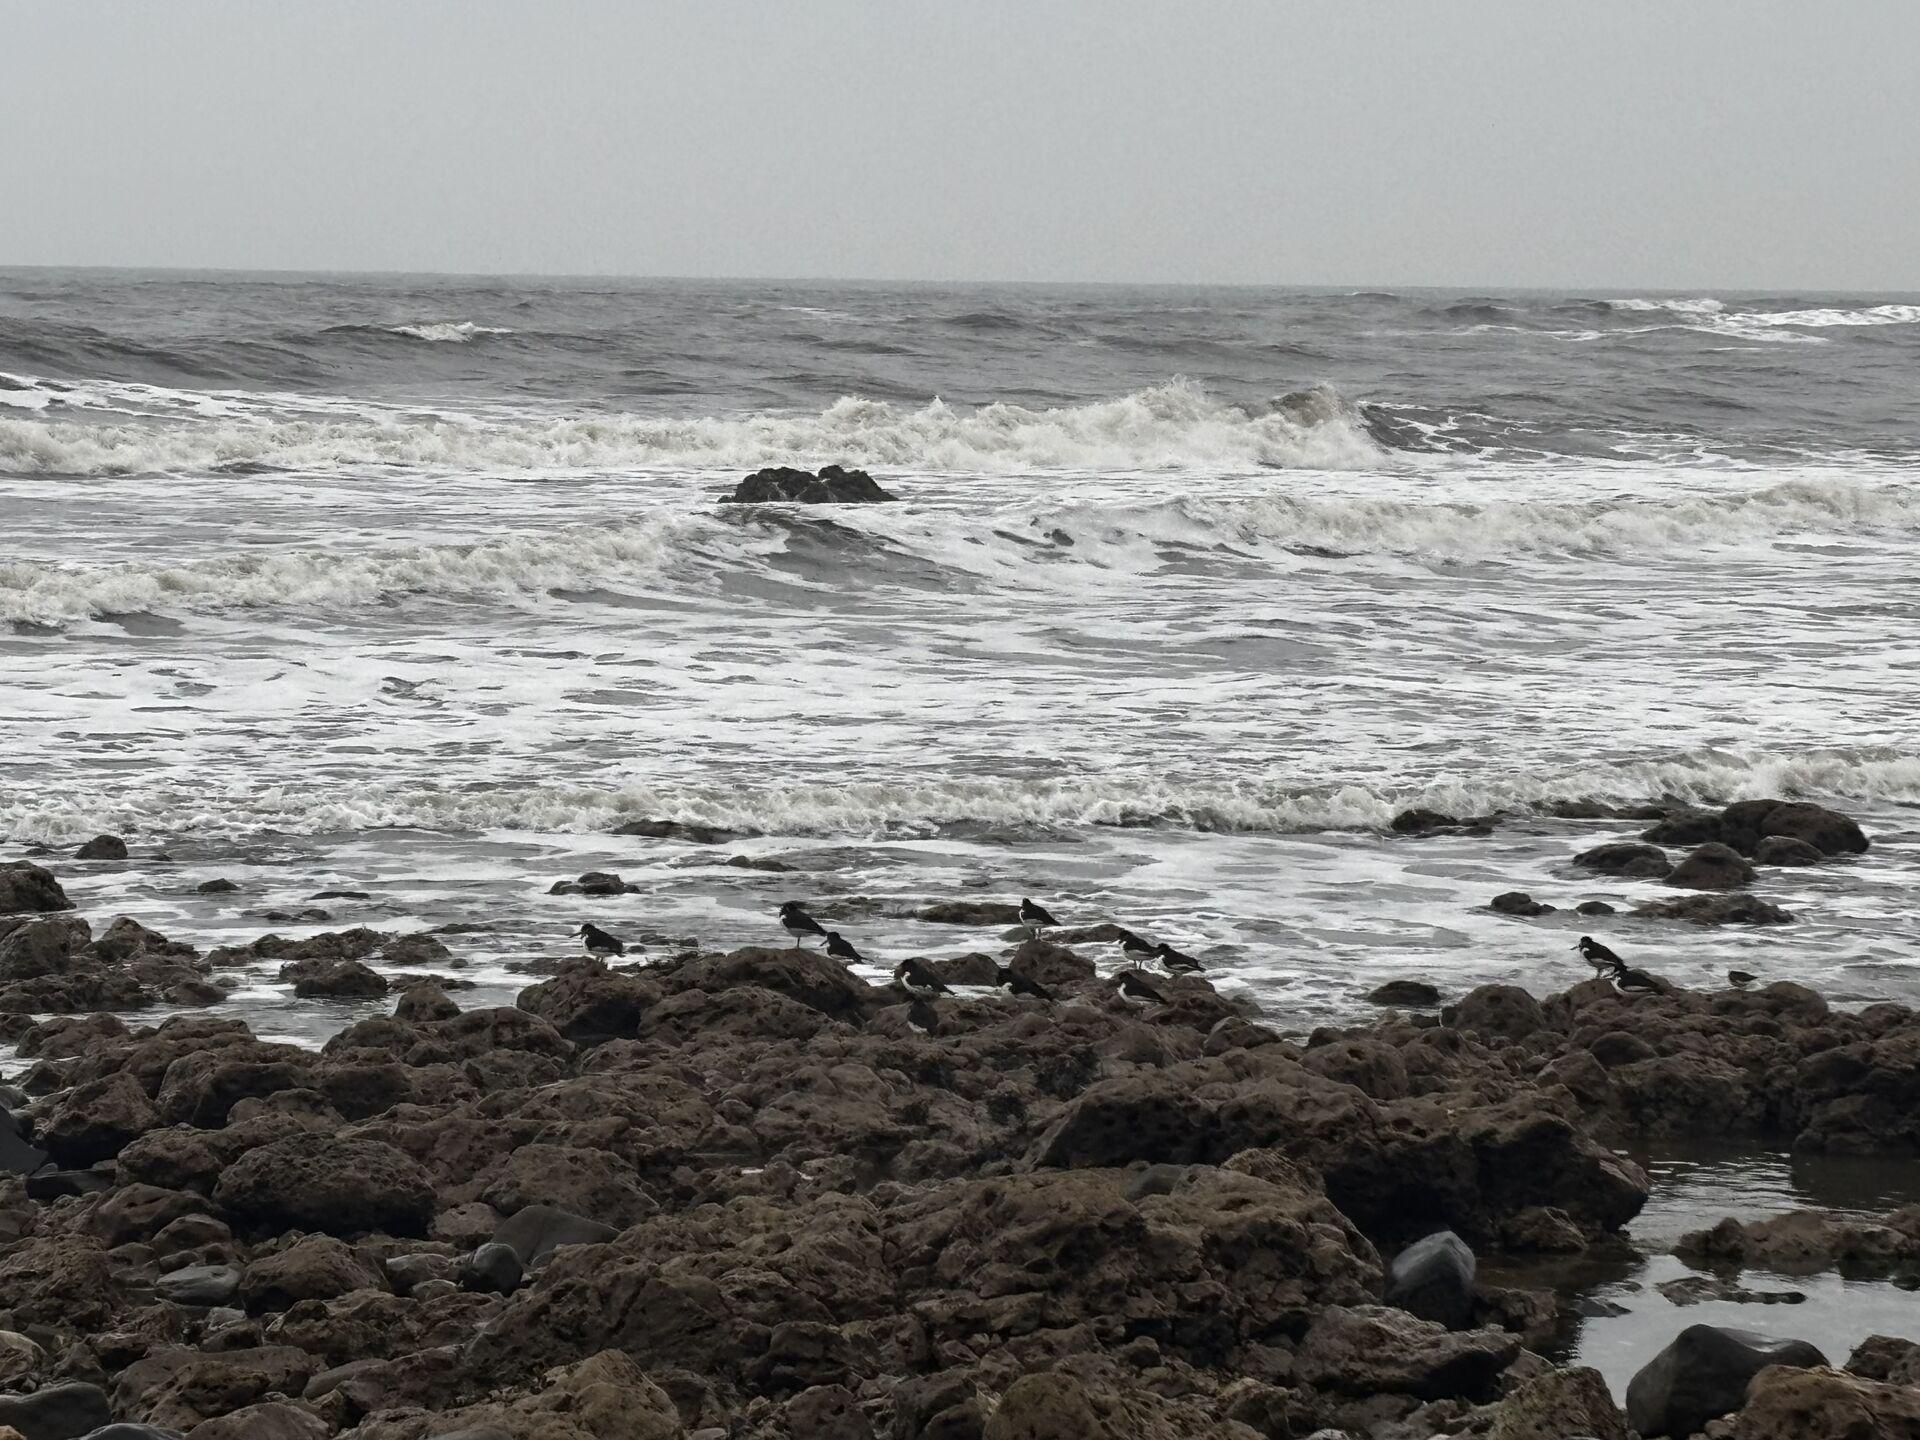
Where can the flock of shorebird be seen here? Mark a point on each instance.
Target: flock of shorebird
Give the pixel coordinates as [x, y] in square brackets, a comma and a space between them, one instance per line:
[921, 983]
[1629, 981]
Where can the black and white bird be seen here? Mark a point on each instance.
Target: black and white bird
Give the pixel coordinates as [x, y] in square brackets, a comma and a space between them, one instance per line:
[1134, 950]
[1596, 954]
[1016, 983]
[1134, 986]
[1628, 981]
[1035, 917]
[1740, 979]
[842, 949]
[923, 1017]
[799, 924]
[1176, 963]
[917, 979]
[599, 942]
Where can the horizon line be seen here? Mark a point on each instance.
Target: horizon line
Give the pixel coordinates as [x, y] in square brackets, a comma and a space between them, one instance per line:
[277, 271]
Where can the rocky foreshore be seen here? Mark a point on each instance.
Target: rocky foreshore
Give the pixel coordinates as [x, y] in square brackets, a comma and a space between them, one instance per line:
[743, 1196]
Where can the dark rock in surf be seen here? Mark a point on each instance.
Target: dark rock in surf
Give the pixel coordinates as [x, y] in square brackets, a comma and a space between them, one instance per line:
[1593, 907]
[1689, 827]
[1404, 992]
[1725, 909]
[969, 912]
[102, 847]
[1433, 822]
[678, 830]
[1433, 1279]
[26, 889]
[1746, 822]
[1518, 902]
[1702, 1375]
[1785, 850]
[1627, 859]
[334, 980]
[594, 882]
[217, 886]
[1712, 867]
[831, 486]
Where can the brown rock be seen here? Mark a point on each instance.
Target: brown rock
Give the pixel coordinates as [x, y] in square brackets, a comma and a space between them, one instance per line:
[26, 889]
[337, 1186]
[1822, 1404]
[1626, 858]
[588, 1003]
[315, 1267]
[96, 1120]
[1712, 867]
[1373, 1349]
[1558, 1404]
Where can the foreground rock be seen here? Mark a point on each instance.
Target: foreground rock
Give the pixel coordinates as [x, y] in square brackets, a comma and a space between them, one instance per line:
[26, 889]
[1702, 1375]
[831, 486]
[743, 1193]
[1747, 825]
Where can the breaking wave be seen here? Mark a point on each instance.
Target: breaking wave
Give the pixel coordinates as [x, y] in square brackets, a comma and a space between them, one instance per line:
[1715, 317]
[926, 808]
[440, 332]
[1105, 543]
[1166, 427]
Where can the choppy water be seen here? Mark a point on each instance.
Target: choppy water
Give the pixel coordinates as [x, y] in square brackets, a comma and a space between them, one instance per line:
[418, 587]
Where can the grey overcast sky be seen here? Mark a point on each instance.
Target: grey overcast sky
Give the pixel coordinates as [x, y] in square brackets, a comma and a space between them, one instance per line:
[1681, 143]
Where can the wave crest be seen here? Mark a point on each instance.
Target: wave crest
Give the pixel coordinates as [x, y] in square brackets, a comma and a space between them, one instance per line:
[1166, 427]
[1025, 546]
[926, 808]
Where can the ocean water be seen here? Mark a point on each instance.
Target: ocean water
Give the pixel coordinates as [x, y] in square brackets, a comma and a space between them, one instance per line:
[418, 587]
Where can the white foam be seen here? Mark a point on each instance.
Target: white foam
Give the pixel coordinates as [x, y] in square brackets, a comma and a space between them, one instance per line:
[1112, 542]
[447, 332]
[1279, 805]
[498, 569]
[1168, 427]
[1713, 317]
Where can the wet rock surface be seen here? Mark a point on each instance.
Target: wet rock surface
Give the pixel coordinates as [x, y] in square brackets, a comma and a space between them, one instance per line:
[742, 1193]
[830, 485]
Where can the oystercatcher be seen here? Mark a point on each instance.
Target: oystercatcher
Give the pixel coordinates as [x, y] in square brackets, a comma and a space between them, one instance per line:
[918, 980]
[599, 942]
[1628, 981]
[1134, 950]
[1176, 963]
[1740, 979]
[923, 1017]
[1132, 985]
[842, 949]
[799, 924]
[1035, 917]
[1018, 984]
[1596, 954]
